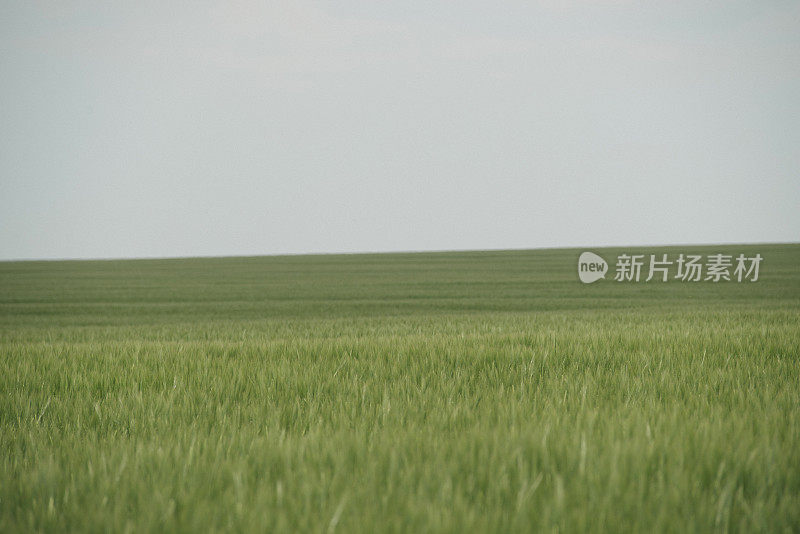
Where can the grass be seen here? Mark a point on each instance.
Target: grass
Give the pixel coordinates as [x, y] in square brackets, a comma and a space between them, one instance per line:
[452, 392]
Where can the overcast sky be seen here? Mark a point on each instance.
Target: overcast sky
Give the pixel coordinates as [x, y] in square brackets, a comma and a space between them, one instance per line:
[132, 129]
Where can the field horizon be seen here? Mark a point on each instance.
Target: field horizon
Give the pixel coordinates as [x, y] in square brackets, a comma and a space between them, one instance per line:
[649, 247]
[459, 391]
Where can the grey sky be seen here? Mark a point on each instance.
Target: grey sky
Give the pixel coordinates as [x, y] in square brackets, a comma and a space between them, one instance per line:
[171, 129]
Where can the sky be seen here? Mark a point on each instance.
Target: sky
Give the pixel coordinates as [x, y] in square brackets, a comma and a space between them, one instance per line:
[159, 129]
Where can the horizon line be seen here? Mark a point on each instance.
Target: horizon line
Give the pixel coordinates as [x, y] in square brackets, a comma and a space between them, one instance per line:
[387, 252]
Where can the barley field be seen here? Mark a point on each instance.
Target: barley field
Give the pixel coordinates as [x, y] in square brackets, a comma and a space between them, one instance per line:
[424, 392]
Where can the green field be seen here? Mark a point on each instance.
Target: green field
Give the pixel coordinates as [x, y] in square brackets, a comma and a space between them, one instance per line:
[452, 392]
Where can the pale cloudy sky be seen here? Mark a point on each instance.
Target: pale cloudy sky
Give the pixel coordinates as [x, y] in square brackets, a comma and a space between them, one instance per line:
[132, 129]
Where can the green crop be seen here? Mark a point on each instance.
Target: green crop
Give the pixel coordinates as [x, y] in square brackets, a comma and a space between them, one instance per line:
[444, 392]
